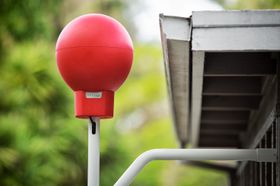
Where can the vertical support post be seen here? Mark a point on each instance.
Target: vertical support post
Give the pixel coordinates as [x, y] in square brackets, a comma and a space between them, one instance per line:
[233, 179]
[93, 151]
[278, 123]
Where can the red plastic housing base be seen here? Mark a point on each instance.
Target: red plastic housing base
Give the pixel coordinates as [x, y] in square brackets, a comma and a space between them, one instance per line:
[97, 104]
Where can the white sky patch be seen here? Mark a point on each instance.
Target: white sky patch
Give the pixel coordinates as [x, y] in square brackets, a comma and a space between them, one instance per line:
[147, 19]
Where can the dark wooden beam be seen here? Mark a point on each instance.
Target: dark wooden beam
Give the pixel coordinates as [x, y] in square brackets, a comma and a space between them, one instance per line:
[225, 115]
[232, 85]
[220, 136]
[230, 102]
[224, 126]
[219, 132]
[219, 142]
[239, 64]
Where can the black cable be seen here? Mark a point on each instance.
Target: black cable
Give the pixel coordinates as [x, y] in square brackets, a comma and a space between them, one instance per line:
[93, 125]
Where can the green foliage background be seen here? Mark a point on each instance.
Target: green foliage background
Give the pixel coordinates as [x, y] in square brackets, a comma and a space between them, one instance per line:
[250, 4]
[41, 143]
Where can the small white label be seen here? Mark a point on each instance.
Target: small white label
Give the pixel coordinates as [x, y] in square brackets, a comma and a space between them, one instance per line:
[93, 94]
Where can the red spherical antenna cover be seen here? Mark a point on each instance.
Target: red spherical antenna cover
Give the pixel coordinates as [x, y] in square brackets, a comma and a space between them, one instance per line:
[94, 55]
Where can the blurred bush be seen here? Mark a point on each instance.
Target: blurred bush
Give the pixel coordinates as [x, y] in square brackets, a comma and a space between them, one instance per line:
[41, 143]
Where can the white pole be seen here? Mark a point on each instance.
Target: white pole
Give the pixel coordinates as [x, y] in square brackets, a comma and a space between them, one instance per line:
[261, 155]
[93, 152]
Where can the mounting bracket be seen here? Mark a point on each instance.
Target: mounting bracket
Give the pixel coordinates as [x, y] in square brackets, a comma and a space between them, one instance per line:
[259, 155]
